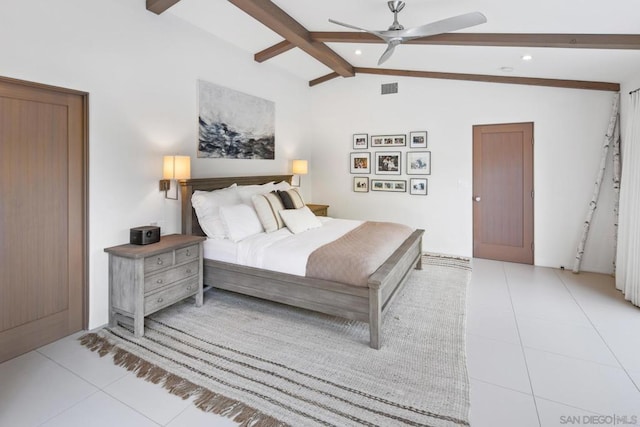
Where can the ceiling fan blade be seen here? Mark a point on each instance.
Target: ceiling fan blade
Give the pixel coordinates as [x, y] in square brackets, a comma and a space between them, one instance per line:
[353, 27]
[444, 26]
[391, 46]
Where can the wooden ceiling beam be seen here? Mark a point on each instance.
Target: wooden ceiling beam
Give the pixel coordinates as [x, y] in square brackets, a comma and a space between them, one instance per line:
[531, 81]
[280, 22]
[159, 6]
[572, 41]
[323, 79]
[275, 50]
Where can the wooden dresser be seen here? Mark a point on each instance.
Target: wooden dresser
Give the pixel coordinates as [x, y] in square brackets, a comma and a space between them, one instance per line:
[146, 278]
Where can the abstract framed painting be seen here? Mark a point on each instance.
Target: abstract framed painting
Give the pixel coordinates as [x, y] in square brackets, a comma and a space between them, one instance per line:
[234, 125]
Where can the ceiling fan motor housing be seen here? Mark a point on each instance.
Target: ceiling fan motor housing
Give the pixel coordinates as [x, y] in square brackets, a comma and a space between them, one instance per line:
[395, 7]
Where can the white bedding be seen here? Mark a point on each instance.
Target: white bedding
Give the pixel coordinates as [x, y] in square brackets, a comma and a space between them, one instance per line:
[281, 250]
[221, 250]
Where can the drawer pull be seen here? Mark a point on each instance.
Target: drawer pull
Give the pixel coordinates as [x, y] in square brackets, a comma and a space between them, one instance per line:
[189, 287]
[159, 281]
[160, 299]
[188, 271]
[188, 252]
[159, 261]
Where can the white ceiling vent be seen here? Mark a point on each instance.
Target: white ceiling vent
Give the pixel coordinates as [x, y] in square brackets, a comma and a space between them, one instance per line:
[388, 88]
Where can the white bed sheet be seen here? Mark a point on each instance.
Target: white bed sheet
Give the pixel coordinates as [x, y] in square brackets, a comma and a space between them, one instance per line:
[282, 250]
[221, 250]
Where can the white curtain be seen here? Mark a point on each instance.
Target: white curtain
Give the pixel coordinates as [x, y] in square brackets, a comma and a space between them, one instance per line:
[628, 251]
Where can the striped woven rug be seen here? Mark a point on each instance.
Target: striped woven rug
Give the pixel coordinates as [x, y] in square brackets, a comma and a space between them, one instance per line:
[266, 364]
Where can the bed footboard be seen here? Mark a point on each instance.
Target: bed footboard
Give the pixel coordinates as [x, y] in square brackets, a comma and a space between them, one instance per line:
[385, 283]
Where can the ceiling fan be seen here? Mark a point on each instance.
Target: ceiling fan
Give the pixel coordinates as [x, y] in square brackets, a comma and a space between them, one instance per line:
[397, 34]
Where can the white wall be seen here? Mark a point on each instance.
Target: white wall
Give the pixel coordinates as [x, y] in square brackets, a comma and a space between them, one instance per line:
[569, 128]
[140, 70]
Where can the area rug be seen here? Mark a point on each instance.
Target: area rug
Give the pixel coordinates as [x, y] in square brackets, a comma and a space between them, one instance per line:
[266, 364]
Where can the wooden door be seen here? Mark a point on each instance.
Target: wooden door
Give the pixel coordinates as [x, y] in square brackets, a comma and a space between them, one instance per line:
[42, 215]
[503, 192]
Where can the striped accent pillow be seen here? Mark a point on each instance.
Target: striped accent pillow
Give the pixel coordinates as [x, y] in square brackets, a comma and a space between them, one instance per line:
[291, 199]
[268, 207]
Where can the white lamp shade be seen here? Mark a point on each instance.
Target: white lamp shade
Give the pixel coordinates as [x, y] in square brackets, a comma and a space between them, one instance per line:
[300, 167]
[176, 167]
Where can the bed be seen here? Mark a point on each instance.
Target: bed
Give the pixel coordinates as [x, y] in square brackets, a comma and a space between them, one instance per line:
[330, 297]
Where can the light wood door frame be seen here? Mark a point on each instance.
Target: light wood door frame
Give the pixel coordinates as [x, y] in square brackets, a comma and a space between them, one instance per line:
[503, 204]
[29, 335]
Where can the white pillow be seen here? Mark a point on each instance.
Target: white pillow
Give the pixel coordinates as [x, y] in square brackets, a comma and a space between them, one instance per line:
[299, 220]
[248, 191]
[240, 221]
[282, 186]
[267, 207]
[207, 206]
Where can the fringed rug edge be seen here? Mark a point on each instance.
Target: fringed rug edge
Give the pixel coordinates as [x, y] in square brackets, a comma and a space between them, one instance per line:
[445, 260]
[205, 399]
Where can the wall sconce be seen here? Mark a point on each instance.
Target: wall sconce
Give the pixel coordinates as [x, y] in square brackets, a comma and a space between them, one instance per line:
[174, 167]
[300, 167]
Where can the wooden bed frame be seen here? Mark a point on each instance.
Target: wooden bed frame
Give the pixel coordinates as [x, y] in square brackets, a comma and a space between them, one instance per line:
[351, 302]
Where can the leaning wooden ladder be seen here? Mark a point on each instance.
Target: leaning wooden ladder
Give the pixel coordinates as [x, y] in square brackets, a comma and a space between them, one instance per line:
[611, 137]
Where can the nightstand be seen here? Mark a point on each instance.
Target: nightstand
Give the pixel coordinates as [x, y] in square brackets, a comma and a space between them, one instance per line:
[319, 210]
[146, 278]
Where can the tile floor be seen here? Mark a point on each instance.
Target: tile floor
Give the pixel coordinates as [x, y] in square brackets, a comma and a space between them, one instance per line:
[545, 348]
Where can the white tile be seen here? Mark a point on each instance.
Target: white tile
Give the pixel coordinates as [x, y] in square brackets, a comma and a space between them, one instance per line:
[100, 410]
[625, 344]
[494, 406]
[498, 363]
[581, 342]
[554, 414]
[601, 301]
[34, 389]
[488, 287]
[68, 352]
[612, 314]
[194, 417]
[539, 286]
[635, 377]
[523, 277]
[151, 400]
[494, 324]
[585, 385]
[557, 305]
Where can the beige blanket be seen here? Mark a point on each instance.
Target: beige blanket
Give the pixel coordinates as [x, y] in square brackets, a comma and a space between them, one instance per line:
[352, 258]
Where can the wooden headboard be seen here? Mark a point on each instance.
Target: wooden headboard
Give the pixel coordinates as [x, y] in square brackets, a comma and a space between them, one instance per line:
[190, 223]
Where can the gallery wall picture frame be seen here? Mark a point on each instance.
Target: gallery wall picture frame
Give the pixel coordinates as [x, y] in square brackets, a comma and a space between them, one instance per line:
[360, 141]
[361, 184]
[388, 163]
[418, 163]
[418, 139]
[418, 186]
[360, 163]
[390, 185]
[399, 140]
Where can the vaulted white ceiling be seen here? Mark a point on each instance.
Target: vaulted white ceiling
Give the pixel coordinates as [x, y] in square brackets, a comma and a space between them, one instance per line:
[224, 20]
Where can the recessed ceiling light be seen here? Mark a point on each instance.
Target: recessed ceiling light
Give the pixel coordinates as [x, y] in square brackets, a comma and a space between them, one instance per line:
[506, 69]
[358, 52]
[527, 57]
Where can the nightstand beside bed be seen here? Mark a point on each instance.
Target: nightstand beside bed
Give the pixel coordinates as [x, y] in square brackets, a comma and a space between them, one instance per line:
[318, 210]
[146, 278]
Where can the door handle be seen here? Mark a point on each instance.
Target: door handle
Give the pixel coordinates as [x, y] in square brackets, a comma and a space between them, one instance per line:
[477, 198]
